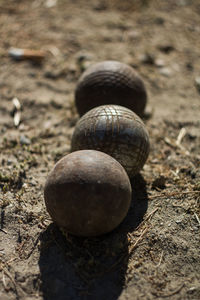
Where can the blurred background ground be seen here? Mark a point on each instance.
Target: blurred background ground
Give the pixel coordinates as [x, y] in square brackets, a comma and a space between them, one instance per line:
[154, 253]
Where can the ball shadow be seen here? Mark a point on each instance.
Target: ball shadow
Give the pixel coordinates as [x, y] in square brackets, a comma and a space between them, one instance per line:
[89, 268]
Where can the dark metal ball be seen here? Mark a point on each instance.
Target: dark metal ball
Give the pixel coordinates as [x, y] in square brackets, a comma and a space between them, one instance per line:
[88, 193]
[110, 82]
[117, 131]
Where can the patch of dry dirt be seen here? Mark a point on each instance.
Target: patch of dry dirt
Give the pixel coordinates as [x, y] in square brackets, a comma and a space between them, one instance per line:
[155, 252]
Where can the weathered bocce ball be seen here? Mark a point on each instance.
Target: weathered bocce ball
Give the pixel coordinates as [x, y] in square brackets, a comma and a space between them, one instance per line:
[110, 82]
[88, 193]
[117, 131]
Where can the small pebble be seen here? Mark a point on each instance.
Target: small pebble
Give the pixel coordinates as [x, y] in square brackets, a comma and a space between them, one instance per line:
[9, 162]
[83, 56]
[147, 58]
[3, 129]
[84, 61]
[159, 63]
[166, 72]
[178, 221]
[195, 228]
[24, 140]
[33, 182]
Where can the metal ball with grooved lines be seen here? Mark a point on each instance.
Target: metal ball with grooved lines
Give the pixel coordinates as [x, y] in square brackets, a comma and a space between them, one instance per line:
[110, 82]
[88, 193]
[117, 131]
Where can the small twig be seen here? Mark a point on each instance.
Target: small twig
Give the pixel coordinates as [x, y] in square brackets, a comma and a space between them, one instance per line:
[160, 260]
[3, 231]
[124, 255]
[147, 218]
[12, 259]
[131, 237]
[151, 213]
[181, 135]
[170, 294]
[197, 218]
[174, 194]
[34, 246]
[4, 281]
[132, 247]
[11, 278]
[175, 145]
[21, 247]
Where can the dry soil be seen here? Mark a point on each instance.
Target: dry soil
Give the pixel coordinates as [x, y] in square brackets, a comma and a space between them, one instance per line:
[155, 252]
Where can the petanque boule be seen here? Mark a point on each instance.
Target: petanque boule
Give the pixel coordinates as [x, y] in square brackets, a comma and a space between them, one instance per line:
[88, 193]
[110, 82]
[117, 131]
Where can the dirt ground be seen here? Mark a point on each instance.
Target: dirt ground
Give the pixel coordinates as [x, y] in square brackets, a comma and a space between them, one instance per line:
[155, 252]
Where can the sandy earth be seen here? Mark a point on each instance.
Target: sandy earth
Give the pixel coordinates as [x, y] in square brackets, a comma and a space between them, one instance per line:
[155, 252]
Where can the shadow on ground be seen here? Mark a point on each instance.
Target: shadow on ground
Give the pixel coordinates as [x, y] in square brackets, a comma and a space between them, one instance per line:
[95, 268]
